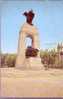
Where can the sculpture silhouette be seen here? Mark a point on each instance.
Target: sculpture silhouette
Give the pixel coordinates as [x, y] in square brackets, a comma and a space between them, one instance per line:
[31, 52]
[29, 16]
[28, 58]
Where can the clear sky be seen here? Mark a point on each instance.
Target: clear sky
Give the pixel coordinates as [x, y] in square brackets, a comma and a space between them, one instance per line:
[48, 19]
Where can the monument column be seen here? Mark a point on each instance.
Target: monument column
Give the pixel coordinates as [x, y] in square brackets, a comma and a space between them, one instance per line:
[34, 60]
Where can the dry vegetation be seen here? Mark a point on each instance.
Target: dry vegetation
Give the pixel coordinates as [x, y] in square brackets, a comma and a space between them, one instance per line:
[50, 59]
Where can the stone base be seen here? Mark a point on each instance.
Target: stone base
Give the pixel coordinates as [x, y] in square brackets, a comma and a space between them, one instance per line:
[34, 63]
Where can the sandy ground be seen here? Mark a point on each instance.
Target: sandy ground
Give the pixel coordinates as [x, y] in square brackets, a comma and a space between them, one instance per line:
[28, 83]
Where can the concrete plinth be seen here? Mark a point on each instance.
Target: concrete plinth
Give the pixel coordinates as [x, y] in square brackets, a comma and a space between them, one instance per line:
[34, 63]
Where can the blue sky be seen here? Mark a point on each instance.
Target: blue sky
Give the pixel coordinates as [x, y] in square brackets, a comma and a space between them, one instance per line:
[48, 19]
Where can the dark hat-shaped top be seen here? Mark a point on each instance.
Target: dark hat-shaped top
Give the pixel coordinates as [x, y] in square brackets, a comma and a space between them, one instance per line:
[29, 16]
[30, 13]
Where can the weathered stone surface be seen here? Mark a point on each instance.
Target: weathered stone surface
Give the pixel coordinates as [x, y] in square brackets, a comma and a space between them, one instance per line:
[31, 31]
[34, 63]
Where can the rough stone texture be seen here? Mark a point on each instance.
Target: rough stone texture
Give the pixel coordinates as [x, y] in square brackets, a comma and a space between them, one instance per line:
[34, 63]
[27, 31]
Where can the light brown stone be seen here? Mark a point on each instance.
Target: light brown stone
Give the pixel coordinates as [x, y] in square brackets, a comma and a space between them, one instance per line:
[21, 61]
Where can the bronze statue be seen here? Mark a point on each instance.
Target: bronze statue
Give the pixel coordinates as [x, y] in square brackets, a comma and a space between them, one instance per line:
[31, 52]
[29, 16]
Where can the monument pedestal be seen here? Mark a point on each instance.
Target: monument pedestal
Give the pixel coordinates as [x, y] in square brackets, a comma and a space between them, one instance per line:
[34, 63]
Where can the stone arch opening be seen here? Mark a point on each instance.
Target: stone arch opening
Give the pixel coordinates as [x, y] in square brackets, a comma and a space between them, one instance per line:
[29, 41]
[30, 50]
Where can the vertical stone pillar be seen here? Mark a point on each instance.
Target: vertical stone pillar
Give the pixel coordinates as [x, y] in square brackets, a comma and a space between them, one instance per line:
[21, 51]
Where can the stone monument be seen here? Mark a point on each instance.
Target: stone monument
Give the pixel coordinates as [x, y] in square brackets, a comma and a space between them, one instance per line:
[28, 58]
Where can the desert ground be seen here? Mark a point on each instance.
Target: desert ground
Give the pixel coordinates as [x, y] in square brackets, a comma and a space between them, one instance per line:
[29, 83]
